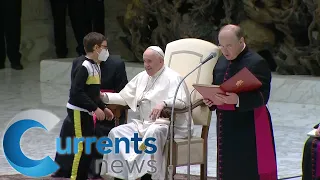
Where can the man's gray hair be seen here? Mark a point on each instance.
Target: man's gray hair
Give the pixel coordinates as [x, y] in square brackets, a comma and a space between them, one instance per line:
[157, 49]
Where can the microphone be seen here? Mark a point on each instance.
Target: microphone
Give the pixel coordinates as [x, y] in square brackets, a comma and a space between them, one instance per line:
[170, 167]
[211, 55]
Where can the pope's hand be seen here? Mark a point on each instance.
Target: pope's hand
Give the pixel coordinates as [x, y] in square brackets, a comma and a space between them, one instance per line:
[155, 113]
[109, 114]
[101, 95]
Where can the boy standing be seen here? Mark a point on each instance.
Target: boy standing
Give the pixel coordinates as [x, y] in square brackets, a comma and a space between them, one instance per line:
[84, 101]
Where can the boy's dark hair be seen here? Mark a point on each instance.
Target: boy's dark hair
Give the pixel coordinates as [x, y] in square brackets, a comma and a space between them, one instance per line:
[92, 39]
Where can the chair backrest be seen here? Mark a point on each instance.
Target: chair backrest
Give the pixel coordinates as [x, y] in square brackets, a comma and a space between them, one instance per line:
[183, 56]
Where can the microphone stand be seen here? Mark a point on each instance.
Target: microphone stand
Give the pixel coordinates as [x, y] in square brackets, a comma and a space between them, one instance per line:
[170, 167]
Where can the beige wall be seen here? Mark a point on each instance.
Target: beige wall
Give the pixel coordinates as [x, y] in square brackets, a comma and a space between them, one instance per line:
[37, 30]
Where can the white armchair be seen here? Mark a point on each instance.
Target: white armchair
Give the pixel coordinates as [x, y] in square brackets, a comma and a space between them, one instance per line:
[183, 56]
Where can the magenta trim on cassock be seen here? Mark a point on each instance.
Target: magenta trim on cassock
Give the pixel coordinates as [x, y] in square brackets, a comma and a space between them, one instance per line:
[107, 90]
[94, 120]
[267, 167]
[317, 160]
[226, 107]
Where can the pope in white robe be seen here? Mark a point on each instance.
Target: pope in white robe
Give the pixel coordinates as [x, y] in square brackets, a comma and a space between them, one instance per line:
[147, 93]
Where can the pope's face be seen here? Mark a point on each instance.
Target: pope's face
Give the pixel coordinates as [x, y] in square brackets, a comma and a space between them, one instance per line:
[152, 62]
[230, 45]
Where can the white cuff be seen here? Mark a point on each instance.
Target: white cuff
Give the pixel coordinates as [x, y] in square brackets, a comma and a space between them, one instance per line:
[105, 98]
[237, 103]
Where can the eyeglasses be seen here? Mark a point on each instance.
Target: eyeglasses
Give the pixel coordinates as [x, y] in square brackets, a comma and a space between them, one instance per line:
[104, 47]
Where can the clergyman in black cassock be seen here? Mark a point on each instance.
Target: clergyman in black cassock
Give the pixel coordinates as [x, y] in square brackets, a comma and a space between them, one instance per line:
[97, 15]
[311, 158]
[10, 33]
[79, 18]
[245, 141]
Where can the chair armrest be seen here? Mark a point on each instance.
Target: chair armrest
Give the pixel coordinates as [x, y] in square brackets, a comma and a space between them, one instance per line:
[117, 109]
[166, 112]
[116, 106]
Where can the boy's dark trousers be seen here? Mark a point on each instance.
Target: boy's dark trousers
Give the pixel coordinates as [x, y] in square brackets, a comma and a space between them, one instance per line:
[76, 165]
[102, 129]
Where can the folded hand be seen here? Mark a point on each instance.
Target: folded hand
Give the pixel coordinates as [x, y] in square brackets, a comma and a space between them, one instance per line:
[318, 131]
[155, 113]
[208, 102]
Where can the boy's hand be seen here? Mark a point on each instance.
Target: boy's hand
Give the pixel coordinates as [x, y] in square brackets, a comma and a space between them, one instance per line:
[100, 114]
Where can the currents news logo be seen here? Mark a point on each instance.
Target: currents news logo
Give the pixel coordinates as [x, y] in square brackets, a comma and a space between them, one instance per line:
[36, 118]
[105, 145]
[22, 122]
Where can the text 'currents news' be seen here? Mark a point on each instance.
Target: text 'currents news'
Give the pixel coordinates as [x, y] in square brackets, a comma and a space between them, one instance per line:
[104, 145]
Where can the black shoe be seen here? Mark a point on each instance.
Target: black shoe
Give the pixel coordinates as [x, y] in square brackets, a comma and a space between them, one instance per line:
[61, 56]
[2, 66]
[60, 174]
[146, 177]
[57, 175]
[62, 52]
[17, 66]
[90, 176]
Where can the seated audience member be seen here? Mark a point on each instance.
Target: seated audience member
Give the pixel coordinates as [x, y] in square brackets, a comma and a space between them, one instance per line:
[310, 160]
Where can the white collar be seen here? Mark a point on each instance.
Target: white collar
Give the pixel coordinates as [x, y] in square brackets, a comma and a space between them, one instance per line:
[158, 73]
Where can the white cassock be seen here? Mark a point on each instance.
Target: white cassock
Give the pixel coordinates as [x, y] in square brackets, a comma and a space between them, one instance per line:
[146, 92]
